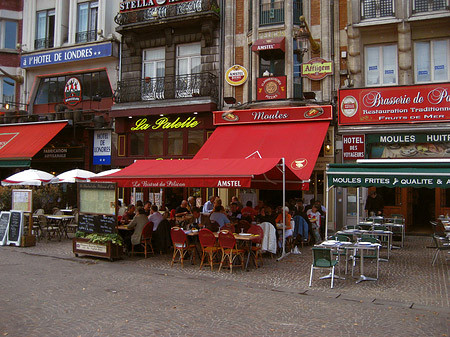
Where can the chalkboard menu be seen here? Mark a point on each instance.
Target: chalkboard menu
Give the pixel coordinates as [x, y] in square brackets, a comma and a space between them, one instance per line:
[4, 222]
[90, 223]
[15, 228]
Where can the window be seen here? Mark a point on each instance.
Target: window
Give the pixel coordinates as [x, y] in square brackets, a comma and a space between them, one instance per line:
[420, 6]
[272, 61]
[271, 12]
[8, 31]
[45, 29]
[297, 74]
[195, 141]
[8, 90]
[432, 60]
[376, 8]
[156, 144]
[87, 22]
[153, 71]
[137, 144]
[188, 64]
[381, 65]
[175, 143]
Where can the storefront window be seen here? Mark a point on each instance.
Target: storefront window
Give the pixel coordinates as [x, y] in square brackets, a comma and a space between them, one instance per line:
[155, 144]
[175, 143]
[195, 141]
[137, 146]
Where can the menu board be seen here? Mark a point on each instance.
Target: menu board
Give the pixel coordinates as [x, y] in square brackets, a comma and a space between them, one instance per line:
[90, 223]
[4, 224]
[22, 200]
[97, 198]
[15, 228]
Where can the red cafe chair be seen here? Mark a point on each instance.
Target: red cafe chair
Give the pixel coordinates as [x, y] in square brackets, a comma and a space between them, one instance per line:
[227, 243]
[180, 245]
[228, 227]
[256, 243]
[209, 246]
[146, 239]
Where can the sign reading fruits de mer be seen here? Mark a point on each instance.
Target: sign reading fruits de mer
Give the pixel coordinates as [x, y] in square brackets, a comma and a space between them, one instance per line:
[401, 104]
[66, 55]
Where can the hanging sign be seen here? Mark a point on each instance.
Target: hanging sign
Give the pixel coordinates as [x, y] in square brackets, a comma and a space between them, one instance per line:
[236, 75]
[271, 88]
[317, 69]
[72, 91]
[102, 147]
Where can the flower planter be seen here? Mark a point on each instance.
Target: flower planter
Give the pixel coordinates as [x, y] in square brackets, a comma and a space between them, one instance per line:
[108, 250]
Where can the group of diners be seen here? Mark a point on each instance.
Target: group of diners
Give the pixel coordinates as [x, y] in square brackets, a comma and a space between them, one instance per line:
[301, 222]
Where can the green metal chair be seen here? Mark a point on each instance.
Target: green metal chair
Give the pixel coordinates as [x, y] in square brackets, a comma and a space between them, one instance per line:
[322, 259]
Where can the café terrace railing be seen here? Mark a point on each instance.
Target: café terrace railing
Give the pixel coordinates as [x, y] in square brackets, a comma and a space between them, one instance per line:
[165, 12]
[168, 87]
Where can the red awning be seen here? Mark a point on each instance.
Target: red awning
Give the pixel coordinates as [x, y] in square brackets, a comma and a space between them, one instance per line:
[23, 141]
[298, 143]
[194, 173]
[269, 44]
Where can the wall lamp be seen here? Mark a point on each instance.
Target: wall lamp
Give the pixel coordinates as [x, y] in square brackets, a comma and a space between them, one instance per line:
[304, 35]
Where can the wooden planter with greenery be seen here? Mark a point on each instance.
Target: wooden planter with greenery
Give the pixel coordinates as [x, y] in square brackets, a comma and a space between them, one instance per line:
[109, 246]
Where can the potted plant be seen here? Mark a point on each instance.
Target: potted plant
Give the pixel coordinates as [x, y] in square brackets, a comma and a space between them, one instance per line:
[97, 244]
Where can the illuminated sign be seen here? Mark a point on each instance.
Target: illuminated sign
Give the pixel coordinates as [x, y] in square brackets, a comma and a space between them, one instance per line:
[165, 123]
[236, 75]
[317, 68]
[140, 4]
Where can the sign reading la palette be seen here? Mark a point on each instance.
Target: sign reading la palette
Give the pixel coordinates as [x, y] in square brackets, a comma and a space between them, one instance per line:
[165, 123]
[406, 104]
[317, 68]
[273, 115]
[240, 182]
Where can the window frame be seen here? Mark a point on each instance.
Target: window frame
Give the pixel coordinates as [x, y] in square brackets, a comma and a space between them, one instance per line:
[3, 32]
[91, 5]
[2, 88]
[48, 13]
[431, 54]
[380, 65]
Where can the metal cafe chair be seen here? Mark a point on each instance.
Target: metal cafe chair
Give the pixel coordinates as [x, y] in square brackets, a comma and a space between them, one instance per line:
[322, 259]
[442, 244]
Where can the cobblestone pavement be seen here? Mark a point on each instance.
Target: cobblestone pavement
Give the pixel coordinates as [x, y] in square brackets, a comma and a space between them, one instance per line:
[46, 291]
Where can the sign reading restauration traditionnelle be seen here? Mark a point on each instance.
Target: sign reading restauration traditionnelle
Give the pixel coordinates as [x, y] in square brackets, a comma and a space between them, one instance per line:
[273, 115]
[385, 105]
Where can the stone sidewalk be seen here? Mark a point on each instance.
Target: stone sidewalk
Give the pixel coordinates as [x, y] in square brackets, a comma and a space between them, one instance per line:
[407, 280]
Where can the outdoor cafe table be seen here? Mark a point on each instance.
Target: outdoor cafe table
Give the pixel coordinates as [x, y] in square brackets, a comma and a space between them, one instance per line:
[61, 221]
[357, 233]
[359, 246]
[245, 237]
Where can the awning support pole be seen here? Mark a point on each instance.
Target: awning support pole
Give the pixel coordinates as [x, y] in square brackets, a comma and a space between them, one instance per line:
[357, 206]
[283, 170]
[327, 206]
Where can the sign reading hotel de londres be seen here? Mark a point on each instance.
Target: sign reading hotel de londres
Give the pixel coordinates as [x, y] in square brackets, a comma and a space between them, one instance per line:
[317, 68]
[273, 115]
[142, 4]
[402, 104]
[164, 123]
[236, 75]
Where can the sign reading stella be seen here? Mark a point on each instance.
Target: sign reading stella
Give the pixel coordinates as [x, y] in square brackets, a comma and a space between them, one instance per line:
[139, 4]
[317, 68]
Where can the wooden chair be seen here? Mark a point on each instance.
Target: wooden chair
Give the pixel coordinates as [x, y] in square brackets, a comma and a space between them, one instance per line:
[209, 246]
[180, 245]
[146, 239]
[228, 245]
[256, 243]
[48, 229]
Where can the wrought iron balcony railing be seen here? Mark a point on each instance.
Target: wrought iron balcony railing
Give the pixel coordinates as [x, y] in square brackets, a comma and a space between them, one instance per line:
[271, 13]
[163, 12]
[168, 87]
[422, 6]
[87, 36]
[44, 43]
[371, 9]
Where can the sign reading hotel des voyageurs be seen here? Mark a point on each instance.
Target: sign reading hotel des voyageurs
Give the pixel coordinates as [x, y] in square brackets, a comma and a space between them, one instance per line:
[401, 104]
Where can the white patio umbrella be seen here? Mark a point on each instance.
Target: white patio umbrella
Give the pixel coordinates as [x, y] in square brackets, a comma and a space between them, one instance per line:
[107, 172]
[28, 177]
[73, 176]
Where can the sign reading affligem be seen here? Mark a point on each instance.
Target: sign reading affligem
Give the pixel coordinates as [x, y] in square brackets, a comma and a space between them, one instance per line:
[273, 115]
[102, 147]
[403, 104]
[236, 75]
[317, 68]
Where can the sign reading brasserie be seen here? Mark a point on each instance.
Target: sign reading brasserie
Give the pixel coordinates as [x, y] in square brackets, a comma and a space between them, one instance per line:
[141, 4]
[317, 68]
[272, 115]
[164, 123]
[405, 104]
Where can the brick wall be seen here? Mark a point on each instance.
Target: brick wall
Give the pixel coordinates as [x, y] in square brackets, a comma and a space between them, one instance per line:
[12, 5]
[240, 16]
[315, 12]
[342, 14]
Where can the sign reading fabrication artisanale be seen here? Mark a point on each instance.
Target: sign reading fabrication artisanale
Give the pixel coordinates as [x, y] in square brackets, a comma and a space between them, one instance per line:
[405, 104]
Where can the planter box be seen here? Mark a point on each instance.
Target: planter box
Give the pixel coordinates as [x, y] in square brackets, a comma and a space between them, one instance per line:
[84, 247]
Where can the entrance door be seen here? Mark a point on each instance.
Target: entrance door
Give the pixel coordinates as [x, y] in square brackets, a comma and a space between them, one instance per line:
[423, 210]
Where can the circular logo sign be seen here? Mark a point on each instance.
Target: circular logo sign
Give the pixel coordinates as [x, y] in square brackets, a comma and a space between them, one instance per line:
[72, 91]
[349, 106]
[299, 163]
[236, 75]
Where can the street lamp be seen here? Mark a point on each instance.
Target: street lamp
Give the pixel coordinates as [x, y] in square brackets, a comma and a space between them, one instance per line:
[304, 36]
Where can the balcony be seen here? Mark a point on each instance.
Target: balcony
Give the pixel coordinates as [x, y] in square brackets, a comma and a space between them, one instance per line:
[44, 43]
[271, 13]
[156, 14]
[371, 9]
[87, 36]
[169, 87]
[423, 6]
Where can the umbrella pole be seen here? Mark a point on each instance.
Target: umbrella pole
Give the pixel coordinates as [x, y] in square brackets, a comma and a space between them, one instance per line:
[283, 170]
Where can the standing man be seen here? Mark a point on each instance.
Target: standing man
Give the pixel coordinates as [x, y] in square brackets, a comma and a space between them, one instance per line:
[374, 204]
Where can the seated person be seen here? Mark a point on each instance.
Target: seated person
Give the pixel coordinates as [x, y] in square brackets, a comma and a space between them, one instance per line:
[235, 214]
[249, 211]
[129, 215]
[198, 219]
[266, 215]
[190, 204]
[155, 217]
[314, 219]
[147, 207]
[208, 207]
[182, 209]
[288, 228]
[122, 209]
[234, 199]
[219, 217]
[242, 226]
[138, 223]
